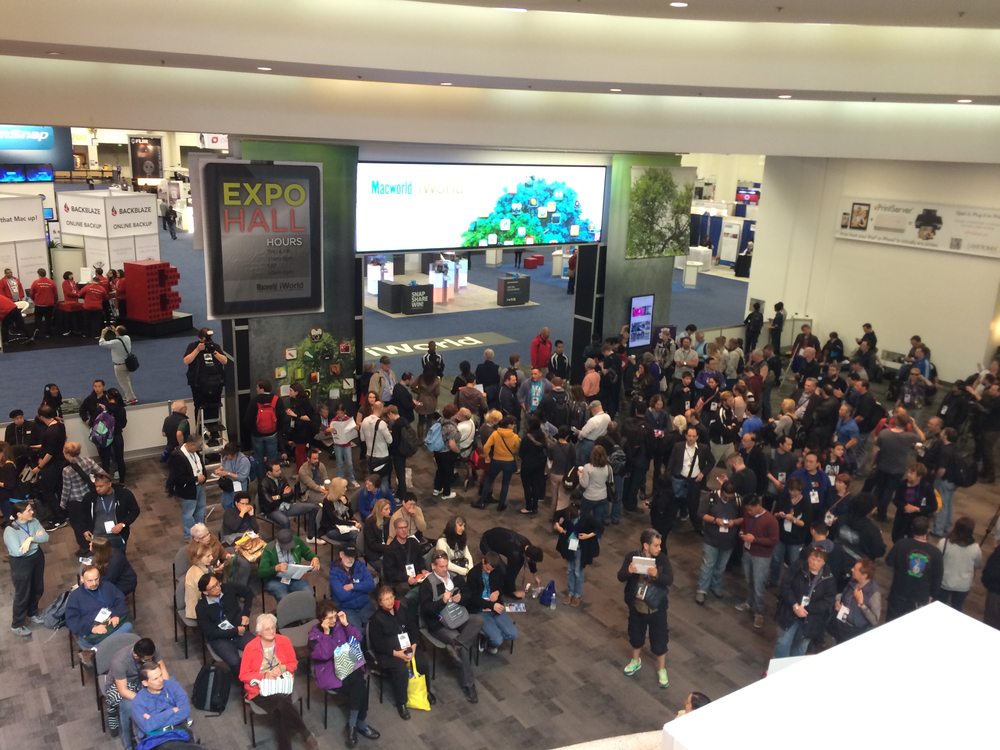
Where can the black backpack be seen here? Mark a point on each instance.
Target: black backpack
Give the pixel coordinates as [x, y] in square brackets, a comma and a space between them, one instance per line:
[55, 614]
[559, 415]
[966, 470]
[409, 444]
[210, 379]
[211, 689]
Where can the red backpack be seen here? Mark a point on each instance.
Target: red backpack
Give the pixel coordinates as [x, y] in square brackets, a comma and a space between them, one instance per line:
[267, 417]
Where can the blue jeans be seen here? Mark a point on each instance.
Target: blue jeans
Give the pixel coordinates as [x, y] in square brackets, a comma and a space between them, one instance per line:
[335, 536]
[193, 511]
[125, 627]
[713, 563]
[265, 447]
[297, 509]
[861, 449]
[508, 468]
[599, 508]
[790, 642]
[358, 617]
[765, 403]
[498, 628]
[942, 519]
[782, 552]
[228, 500]
[280, 590]
[345, 457]
[574, 575]
[583, 449]
[125, 718]
[616, 506]
[755, 569]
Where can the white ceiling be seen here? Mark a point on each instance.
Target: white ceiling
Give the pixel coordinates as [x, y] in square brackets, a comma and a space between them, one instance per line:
[969, 14]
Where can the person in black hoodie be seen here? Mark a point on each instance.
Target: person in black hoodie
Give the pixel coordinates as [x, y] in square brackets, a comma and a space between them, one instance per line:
[578, 544]
[646, 599]
[534, 453]
[485, 599]
[917, 569]
[914, 497]
[683, 398]
[639, 443]
[805, 603]
[116, 408]
[109, 511]
[859, 535]
[91, 405]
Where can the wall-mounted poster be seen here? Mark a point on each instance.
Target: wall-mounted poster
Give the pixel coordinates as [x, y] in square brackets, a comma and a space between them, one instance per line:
[147, 157]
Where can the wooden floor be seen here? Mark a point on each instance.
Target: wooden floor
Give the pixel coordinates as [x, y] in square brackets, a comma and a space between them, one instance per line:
[562, 685]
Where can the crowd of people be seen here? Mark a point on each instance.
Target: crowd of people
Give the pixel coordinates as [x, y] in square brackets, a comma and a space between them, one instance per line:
[791, 507]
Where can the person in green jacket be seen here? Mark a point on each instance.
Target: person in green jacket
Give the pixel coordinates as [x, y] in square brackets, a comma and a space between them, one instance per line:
[286, 549]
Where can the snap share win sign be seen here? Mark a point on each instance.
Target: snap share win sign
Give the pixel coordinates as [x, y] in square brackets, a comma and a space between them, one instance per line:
[263, 238]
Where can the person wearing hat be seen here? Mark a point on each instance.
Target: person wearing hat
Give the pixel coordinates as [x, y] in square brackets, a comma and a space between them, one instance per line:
[383, 381]
[338, 523]
[351, 584]
[286, 549]
[20, 435]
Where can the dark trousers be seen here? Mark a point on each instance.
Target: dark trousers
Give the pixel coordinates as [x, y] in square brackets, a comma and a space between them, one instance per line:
[464, 641]
[496, 467]
[43, 319]
[355, 687]
[228, 650]
[883, 486]
[399, 467]
[445, 461]
[898, 607]
[989, 440]
[287, 720]
[13, 321]
[533, 481]
[77, 516]
[955, 599]
[689, 497]
[752, 337]
[28, 576]
[117, 448]
[635, 481]
[571, 284]
[49, 489]
[398, 674]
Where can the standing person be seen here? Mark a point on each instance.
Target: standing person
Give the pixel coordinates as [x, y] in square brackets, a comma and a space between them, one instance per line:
[914, 496]
[531, 391]
[559, 363]
[427, 388]
[500, 448]
[49, 469]
[119, 343]
[860, 606]
[961, 558]
[541, 350]
[754, 324]
[384, 380]
[721, 516]
[171, 218]
[446, 453]
[563, 458]
[892, 448]
[534, 452]
[579, 543]
[206, 373]
[760, 536]
[805, 603]
[507, 395]
[639, 443]
[302, 421]
[690, 462]
[595, 427]
[991, 582]
[571, 274]
[795, 514]
[945, 480]
[595, 476]
[10, 286]
[186, 481]
[265, 415]
[917, 570]
[116, 408]
[646, 599]
[27, 566]
[77, 482]
[344, 451]
[176, 429]
[109, 511]
[402, 398]
[775, 327]
[44, 294]
[488, 376]
[432, 358]
[95, 299]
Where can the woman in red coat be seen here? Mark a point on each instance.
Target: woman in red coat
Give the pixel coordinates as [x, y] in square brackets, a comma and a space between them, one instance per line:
[267, 657]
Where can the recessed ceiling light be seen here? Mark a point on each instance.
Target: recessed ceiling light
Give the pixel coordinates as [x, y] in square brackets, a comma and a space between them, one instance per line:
[784, 96]
[262, 68]
[54, 54]
[446, 84]
[965, 101]
[678, 5]
[616, 89]
[514, 10]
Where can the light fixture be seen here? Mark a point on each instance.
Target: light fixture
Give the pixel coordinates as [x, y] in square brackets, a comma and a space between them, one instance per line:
[446, 84]
[54, 54]
[965, 101]
[514, 10]
[616, 89]
[784, 96]
[263, 68]
[678, 5]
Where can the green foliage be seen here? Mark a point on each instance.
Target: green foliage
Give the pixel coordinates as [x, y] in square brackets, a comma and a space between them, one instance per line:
[659, 221]
[323, 353]
[522, 209]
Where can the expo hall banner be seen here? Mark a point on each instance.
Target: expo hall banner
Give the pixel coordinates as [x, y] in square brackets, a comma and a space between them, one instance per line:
[263, 227]
[928, 225]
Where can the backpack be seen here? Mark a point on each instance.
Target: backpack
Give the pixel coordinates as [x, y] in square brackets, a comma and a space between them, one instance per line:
[55, 614]
[966, 471]
[102, 430]
[267, 417]
[560, 411]
[211, 689]
[578, 413]
[210, 379]
[256, 470]
[434, 442]
[408, 446]
[617, 460]
[741, 365]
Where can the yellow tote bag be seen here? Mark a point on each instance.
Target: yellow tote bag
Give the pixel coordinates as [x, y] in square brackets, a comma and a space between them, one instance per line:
[416, 689]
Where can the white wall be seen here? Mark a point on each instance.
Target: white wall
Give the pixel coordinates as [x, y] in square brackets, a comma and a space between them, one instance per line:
[950, 300]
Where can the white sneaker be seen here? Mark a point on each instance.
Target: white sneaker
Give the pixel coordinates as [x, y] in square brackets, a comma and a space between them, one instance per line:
[436, 492]
[452, 496]
[742, 607]
[355, 484]
[314, 540]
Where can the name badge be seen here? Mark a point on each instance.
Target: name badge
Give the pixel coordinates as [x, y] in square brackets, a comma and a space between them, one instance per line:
[108, 526]
[687, 405]
[404, 641]
[944, 409]
[225, 625]
[831, 471]
[641, 591]
[781, 477]
[286, 581]
[411, 570]
[805, 601]
[574, 544]
[788, 525]
[829, 519]
[814, 497]
[725, 527]
[103, 615]
[843, 613]
[713, 407]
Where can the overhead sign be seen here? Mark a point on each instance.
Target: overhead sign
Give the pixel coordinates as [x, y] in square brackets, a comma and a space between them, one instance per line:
[27, 144]
[131, 214]
[81, 215]
[26, 138]
[263, 238]
[928, 225]
[21, 218]
[218, 141]
[147, 157]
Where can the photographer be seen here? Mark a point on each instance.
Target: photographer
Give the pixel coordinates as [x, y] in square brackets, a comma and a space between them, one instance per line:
[206, 373]
[120, 345]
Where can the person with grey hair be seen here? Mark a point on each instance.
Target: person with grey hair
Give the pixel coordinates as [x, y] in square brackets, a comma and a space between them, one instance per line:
[488, 376]
[591, 380]
[596, 426]
[186, 481]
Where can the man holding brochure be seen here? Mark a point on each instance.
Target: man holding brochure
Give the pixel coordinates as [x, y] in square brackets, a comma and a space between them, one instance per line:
[647, 575]
[281, 565]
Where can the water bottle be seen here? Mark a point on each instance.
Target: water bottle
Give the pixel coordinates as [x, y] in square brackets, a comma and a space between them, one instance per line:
[552, 604]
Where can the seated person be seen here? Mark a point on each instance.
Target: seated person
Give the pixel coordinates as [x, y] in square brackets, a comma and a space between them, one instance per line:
[437, 591]
[332, 631]
[485, 582]
[161, 712]
[414, 517]
[517, 550]
[267, 657]
[234, 474]
[239, 519]
[96, 609]
[403, 563]
[224, 622]
[312, 478]
[371, 493]
[286, 549]
[113, 565]
[455, 543]
[123, 684]
[338, 524]
[395, 641]
[378, 533]
[351, 585]
[276, 500]
[192, 594]
[222, 556]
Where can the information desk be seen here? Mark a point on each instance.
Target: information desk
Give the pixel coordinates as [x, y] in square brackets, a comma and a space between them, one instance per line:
[513, 291]
[390, 296]
[417, 299]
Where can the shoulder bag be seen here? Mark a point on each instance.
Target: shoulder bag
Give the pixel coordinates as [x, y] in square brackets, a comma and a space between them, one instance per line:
[280, 685]
[131, 361]
[454, 615]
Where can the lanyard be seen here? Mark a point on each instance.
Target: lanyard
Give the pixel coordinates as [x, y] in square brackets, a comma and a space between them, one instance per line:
[815, 581]
[750, 522]
[107, 507]
[25, 529]
[96, 595]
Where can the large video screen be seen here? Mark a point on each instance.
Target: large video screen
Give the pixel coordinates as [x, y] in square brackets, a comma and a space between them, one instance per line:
[404, 207]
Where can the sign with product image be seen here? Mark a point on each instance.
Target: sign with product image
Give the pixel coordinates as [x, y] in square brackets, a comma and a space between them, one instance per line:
[263, 238]
[147, 157]
[928, 225]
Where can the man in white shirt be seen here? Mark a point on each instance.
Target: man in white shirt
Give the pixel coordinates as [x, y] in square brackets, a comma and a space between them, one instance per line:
[595, 427]
[685, 359]
[186, 480]
[377, 438]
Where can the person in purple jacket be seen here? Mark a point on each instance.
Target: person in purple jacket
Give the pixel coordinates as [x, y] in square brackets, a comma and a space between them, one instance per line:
[333, 631]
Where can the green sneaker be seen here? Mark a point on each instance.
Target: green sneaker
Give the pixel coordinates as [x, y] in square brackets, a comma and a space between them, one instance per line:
[633, 666]
[662, 677]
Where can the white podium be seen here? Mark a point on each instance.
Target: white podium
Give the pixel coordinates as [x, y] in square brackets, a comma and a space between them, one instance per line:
[557, 263]
[691, 269]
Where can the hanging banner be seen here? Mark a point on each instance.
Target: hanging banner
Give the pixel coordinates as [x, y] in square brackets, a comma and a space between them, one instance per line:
[81, 214]
[218, 141]
[147, 157]
[21, 218]
[927, 225]
[263, 238]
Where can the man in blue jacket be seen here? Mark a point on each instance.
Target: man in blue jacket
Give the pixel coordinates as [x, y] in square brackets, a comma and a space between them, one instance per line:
[96, 609]
[351, 584]
[161, 712]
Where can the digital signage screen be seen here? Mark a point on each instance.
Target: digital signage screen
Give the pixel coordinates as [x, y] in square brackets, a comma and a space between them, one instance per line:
[640, 322]
[11, 173]
[408, 207]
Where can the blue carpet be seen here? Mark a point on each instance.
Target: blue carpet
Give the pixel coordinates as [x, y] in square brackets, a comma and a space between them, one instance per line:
[715, 303]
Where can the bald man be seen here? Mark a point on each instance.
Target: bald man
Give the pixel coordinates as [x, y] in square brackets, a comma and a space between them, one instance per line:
[541, 350]
[176, 429]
